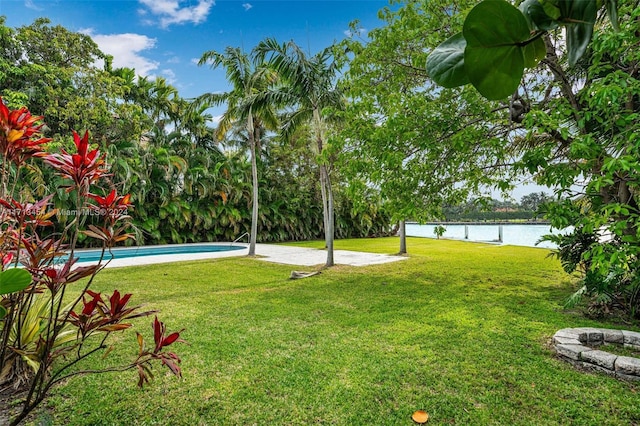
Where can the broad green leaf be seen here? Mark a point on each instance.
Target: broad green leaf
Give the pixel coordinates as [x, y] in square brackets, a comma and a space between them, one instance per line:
[578, 38]
[612, 11]
[3, 312]
[534, 52]
[579, 18]
[494, 60]
[13, 280]
[445, 65]
[551, 8]
[498, 78]
[536, 15]
[495, 23]
[524, 8]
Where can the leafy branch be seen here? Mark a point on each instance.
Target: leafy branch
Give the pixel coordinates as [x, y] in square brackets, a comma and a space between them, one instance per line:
[498, 41]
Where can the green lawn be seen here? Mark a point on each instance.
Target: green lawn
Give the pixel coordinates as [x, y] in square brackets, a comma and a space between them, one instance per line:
[460, 330]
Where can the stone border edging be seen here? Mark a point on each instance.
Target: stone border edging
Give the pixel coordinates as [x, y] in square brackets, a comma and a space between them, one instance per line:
[575, 345]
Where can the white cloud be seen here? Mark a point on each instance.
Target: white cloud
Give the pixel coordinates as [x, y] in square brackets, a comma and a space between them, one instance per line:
[215, 120]
[169, 75]
[126, 50]
[173, 60]
[247, 6]
[171, 12]
[359, 32]
[29, 4]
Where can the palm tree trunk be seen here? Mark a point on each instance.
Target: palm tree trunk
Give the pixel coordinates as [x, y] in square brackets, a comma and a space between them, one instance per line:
[327, 193]
[254, 201]
[327, 204]
[403, 238]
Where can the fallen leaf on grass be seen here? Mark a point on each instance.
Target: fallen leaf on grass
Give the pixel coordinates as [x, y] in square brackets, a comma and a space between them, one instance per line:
[420, 417]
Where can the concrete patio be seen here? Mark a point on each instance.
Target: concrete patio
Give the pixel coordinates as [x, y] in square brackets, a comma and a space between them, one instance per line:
[289, 255]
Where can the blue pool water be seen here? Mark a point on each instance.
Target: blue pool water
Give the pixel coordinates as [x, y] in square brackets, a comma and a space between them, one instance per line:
[125, 252]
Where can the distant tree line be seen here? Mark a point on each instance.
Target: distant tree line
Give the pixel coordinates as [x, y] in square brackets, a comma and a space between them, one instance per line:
[530, 208]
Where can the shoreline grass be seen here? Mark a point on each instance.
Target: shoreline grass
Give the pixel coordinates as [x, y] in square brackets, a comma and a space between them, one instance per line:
[460, 330]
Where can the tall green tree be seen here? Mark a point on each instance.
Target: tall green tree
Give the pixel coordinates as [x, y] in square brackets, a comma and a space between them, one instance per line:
[51, 69]
[246, 102]
[312, 92]
[584, 142]
[582, 127]
[534, 201]
[421, 146]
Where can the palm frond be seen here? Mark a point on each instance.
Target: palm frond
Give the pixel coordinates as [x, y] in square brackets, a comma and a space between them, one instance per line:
[293, 120]
[208, 100]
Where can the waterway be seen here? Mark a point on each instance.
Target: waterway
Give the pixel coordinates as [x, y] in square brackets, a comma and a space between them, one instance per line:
[514, 234]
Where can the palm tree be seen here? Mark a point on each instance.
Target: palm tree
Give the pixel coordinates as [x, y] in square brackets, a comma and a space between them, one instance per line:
[193, 120]
[163, 98]
[248, 101]
[311, 91]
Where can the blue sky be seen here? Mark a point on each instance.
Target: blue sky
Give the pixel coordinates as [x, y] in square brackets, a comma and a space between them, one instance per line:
[167, 37]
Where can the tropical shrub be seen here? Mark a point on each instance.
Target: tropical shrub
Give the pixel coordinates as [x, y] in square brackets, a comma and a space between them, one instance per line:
[51, 323]
[581, 114]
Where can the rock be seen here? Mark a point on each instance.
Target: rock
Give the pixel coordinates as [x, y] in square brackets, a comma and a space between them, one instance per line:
[595, 368]
[569, 333]
[627, 377]
[590, 335]
[572, 351]
[627, 365]
[565, 341]
[612, 336]
[601, 358]
[631, 337]
[575, 345]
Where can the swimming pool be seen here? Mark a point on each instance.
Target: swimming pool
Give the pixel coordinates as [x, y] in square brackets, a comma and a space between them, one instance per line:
[93, 255]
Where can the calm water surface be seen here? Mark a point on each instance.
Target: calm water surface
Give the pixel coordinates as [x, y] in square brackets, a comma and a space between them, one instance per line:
[513, 234]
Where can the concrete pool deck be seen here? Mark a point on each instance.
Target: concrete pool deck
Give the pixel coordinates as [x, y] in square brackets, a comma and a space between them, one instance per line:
[288, 255]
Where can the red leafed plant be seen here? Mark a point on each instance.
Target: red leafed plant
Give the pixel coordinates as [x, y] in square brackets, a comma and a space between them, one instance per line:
[83, 168]
[20, 131]
[44, 338]
[169, 359]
